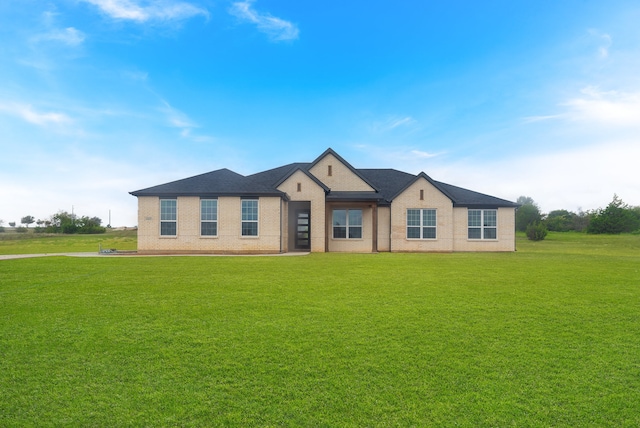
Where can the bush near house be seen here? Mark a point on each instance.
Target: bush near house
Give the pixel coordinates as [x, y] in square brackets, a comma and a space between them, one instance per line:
[536, 231]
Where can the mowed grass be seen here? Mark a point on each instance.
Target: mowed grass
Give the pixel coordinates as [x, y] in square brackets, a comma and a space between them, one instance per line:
[546, 336]
[35, 243]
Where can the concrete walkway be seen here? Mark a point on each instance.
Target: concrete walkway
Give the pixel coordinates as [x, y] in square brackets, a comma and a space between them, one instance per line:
[95, 254]
[28, 256]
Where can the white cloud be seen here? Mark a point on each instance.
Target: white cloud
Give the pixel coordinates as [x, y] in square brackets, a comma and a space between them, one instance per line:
[175, 117]
[579, 178]
[277, 29]
[605, 107]
[595, 107]
[137, 11]
[178, 119]
[69, 36]
[423, 155]
[401, 157]
[604, 42]
[391, 123]
[29, 114]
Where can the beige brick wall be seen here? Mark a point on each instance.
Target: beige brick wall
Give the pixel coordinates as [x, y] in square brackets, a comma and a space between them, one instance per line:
[432, 199]
[341, 179]
[506, 232]
[229, 239]
[384, 228]
[309, 191]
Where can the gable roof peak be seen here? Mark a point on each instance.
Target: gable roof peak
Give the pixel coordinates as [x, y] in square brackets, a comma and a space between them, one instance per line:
[332, 152]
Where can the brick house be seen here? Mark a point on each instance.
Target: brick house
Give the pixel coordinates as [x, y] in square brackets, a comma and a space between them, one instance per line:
[325, 205]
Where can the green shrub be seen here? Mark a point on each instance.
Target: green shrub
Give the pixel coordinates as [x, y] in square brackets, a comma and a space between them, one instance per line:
[617, 217]
[536, 231]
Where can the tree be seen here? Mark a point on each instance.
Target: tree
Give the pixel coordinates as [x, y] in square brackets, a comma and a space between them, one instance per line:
[580, 222]
[617, 217]
[560, 220]
[12, 223]
[63, 222]
[527, 214]
[28, 219]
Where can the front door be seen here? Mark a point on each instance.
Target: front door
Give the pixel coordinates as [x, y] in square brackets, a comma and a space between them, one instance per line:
[303, 230]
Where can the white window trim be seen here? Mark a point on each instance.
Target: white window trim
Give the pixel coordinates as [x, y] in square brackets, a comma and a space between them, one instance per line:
[482, 227]
[347, 225]
[210, 221]
[167, 221]
[257, 222]
[421, 238]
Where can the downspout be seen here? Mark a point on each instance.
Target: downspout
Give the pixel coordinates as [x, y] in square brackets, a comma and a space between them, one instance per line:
[281, 225]
[515, 241]
[390, 224]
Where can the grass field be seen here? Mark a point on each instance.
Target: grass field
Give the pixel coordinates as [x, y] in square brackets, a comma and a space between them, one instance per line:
[546, 336]
[34, 243]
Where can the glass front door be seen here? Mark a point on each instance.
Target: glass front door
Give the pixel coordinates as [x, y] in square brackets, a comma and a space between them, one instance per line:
[303, 230]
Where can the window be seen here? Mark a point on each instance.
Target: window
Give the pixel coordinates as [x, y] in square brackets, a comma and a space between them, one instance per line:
[347, 224]
[483, 224]
[329, 170]
[209, 217]
[168, 217]
[249, 217]
[421, 224]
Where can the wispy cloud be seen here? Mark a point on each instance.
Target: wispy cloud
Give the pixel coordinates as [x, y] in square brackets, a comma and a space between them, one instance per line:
[69, 36]
[605, 107]
[180, 120]
[596, 107]
[604, 42]
[27, 113]
[404, 158]
[277, 29]
[423, 155]
[133, 10]
[391, 123]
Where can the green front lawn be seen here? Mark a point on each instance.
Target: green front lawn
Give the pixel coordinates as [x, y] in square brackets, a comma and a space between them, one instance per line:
[35, 243]
[546, 336]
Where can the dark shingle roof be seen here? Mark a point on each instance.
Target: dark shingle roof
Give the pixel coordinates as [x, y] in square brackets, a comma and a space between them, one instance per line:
[388, 183]
[215, 183]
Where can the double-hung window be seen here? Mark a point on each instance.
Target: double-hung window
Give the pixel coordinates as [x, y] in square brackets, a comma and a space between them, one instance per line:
[483, 224]
[347, 224]
[249, 217]
[168, 217]
[208, 217]
[421, 224]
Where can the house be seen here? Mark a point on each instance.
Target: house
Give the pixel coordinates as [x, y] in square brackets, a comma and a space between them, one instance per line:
[325, 205]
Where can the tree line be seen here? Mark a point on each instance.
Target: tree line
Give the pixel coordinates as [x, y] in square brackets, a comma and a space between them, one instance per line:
[618, 217]
[61, 222]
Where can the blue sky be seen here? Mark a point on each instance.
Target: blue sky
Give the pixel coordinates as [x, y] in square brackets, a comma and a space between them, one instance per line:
[102, 97]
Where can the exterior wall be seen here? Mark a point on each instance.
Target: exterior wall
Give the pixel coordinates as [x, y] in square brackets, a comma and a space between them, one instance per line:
[364, 245]
[384, 228]
[309, 191]
[341, 179]
[506, 238]
[229, 239]
[433, 199]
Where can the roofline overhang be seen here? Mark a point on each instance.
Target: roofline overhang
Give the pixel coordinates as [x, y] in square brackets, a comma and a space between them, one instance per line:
[214, 194]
